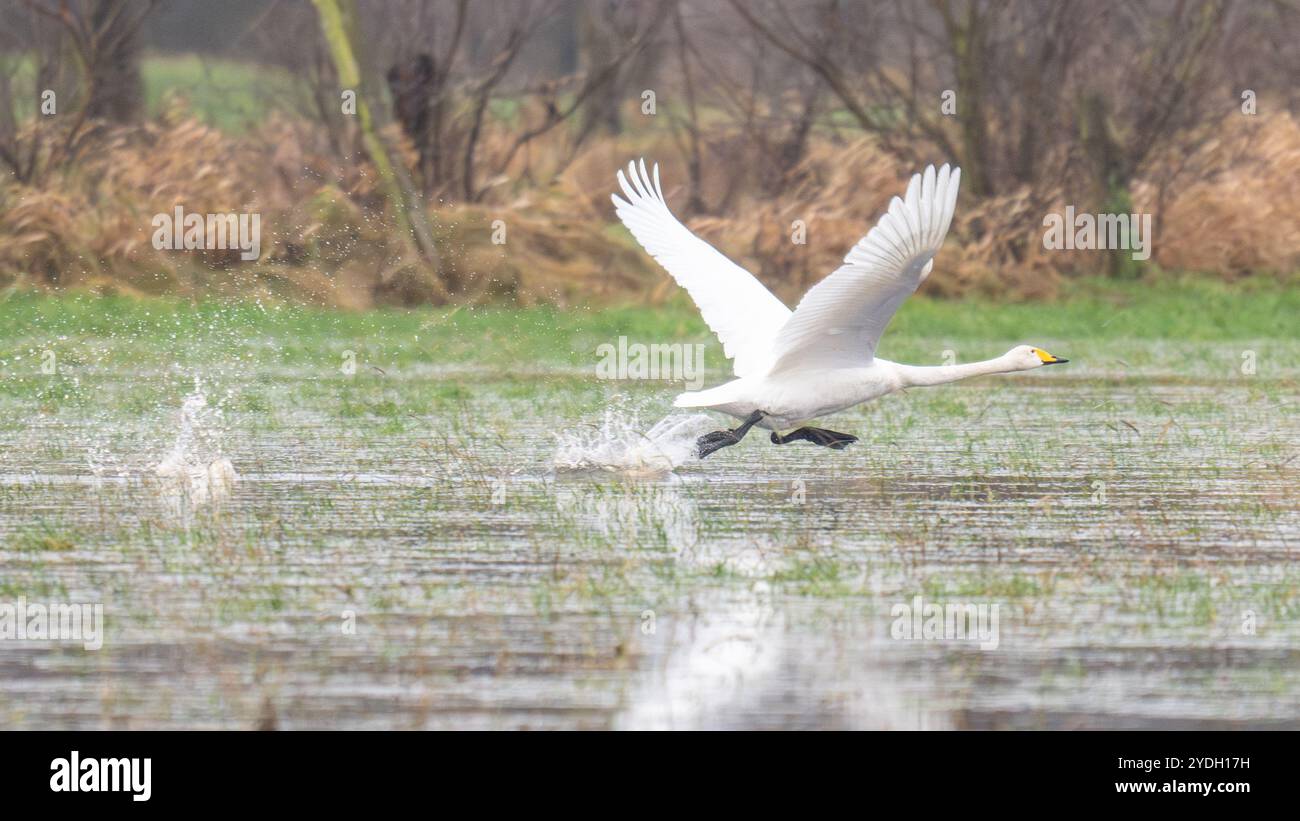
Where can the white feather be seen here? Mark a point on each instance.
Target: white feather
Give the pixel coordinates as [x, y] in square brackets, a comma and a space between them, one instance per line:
[840, 320]
[737, 307]
[822, 358]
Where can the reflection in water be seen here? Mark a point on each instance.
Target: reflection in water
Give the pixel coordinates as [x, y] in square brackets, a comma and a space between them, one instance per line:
[717, 658]
[388, 561]
[738, 663]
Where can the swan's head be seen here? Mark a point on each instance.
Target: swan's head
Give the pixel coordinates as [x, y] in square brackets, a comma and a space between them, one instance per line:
[1027, 357]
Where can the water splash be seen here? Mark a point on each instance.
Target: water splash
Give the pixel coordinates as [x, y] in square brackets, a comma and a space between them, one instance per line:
[619, 444]
[195, 467]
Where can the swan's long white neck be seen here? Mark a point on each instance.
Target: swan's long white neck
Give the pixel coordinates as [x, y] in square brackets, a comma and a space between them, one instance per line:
[926, 375]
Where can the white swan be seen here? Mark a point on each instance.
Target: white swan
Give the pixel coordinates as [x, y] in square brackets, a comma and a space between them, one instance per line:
[820, 358]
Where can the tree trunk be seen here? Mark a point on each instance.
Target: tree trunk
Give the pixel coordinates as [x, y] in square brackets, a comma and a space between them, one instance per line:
[338, 19]
[597, 39]
[1110, 173]
[969, 46]
[117, 90]
[416, 88]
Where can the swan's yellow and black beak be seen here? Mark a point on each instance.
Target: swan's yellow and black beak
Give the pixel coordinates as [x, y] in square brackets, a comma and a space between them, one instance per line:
[1048, 359]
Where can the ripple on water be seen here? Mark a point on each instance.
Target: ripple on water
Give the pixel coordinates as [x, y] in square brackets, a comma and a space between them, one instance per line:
[460, 567]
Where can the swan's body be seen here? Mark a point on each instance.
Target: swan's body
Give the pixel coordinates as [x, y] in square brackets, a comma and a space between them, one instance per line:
[791, 400]
[793, 366]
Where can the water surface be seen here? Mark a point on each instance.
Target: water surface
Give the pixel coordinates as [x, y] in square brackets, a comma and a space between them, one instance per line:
[399, 551]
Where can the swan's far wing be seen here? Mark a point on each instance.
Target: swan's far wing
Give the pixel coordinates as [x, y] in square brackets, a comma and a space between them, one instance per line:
[741, 311]
[840, 320]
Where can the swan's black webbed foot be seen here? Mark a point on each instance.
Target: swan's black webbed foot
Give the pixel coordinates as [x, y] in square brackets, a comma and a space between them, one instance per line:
[818, 436]
[719, 439]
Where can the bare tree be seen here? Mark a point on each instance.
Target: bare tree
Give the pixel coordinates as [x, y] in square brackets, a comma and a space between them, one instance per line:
[936, 74]
[106, 38]
[31, 66]
[44, 40]
[422, 85]
[450, 63]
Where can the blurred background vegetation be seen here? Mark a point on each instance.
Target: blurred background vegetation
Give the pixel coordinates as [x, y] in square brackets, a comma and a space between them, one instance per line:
[511, 116]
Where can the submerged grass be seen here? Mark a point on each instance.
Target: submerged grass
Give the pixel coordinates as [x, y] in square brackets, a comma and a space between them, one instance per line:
[1134, 505]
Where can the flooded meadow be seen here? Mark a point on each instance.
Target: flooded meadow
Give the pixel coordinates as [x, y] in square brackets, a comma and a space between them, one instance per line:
[364, 528]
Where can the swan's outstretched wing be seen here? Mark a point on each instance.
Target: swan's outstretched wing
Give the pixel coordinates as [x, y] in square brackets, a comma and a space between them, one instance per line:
[740, 310]
[840, 320]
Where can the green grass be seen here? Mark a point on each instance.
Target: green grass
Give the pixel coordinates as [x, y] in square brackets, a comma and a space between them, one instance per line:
[226, 94]
[1175, 308]
[230, 95]
[1093, 315]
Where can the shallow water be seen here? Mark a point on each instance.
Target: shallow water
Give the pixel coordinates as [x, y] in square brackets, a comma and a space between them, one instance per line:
[386, 560]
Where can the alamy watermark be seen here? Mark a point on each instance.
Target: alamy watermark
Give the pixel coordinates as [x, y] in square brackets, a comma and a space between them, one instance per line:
[56, 621]
[77, 774]
[208, 232]
[675, 362]
[1093, 232]
[921, 621]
